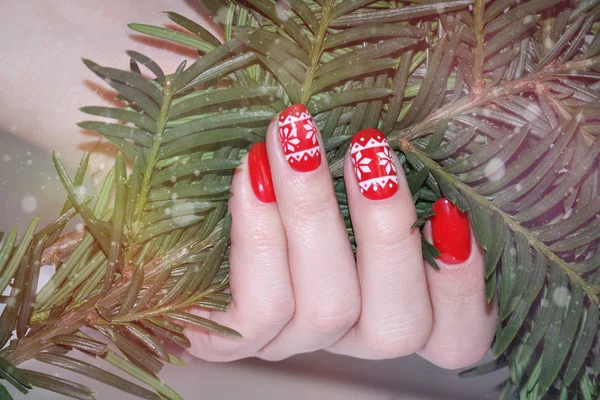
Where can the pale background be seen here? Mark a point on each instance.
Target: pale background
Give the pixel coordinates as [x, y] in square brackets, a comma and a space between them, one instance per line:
[28, 179]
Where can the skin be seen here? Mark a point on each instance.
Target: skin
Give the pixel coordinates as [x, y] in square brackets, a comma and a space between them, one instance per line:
[295, 283]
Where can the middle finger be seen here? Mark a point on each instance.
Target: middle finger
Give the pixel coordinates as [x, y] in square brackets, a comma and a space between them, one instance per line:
[320, 256]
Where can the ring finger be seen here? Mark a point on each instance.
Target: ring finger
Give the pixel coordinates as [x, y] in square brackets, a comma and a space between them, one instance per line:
[396, 316]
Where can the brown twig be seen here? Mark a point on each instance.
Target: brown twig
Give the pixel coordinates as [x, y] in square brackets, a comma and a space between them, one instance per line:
[488, 95]
[62, 248]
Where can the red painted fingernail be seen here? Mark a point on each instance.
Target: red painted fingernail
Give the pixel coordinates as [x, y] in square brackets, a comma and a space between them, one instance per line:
[373, 165]
[451, 232]
[299, 138]
[260, 173]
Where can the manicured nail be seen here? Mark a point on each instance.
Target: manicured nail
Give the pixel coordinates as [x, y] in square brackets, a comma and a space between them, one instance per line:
[451, 232]
[260, 173]
[373, 165]
[299, 138]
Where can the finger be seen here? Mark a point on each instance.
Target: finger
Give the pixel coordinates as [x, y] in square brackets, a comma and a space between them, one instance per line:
[396, 315]
[261, 288]
[320, 256]
[464, 322]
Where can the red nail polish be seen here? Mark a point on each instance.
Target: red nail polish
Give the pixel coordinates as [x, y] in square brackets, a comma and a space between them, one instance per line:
[451, 232]
[373, 165]
[260, 173]
[299, 138]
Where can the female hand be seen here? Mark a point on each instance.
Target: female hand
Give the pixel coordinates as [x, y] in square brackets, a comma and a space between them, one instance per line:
[296, 286]
[295, 283]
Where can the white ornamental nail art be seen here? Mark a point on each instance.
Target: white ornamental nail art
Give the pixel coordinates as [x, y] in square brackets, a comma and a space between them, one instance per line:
[299, 139]
[373, 164]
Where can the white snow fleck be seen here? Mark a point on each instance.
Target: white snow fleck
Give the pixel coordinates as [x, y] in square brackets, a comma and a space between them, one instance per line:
[29, 204]
[561, 296]
[6, 158]
[495, 169]
[221, 16]
[81, 190]
[281, 9]
[528, 19]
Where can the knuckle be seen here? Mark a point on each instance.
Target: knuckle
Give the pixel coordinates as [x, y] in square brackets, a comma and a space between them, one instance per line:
[339, 317]
[272, 357]
[211, 347]
[256, 230]
[452, 360]
[455, 352]
[316, 206]
[262, 240]
[399, 341]
[403, 242]
[274, 311]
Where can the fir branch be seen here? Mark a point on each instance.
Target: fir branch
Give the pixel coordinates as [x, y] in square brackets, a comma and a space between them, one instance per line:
[488, 107]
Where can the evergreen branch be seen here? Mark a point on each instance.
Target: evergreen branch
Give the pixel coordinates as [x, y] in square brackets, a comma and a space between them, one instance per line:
[440, 173]
[317, 50]
[488, 95]
[153, 154]
[525, 130]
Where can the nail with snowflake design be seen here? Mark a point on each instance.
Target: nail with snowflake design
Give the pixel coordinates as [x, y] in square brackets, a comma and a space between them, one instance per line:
[373, 164]
[299, 138]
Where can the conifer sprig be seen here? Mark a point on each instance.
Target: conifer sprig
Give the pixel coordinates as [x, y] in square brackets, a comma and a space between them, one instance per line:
[492, 104]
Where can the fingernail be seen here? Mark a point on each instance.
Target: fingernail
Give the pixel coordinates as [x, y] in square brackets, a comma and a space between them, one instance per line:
[451, 232]
[299, 138]
[373, 165]
[260, 173]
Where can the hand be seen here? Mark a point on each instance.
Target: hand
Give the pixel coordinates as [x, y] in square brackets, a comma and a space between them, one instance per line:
[295, 284]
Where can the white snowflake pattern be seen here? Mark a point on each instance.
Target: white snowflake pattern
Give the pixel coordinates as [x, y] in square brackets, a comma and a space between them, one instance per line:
[289, 138]
[385, 159]
[309, 126]
[361, 164]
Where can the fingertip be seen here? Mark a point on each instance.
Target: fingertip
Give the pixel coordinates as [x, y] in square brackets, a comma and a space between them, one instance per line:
[470, 254]
[373, 164]
[451, 232]
[298, 139]
[260, 173]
